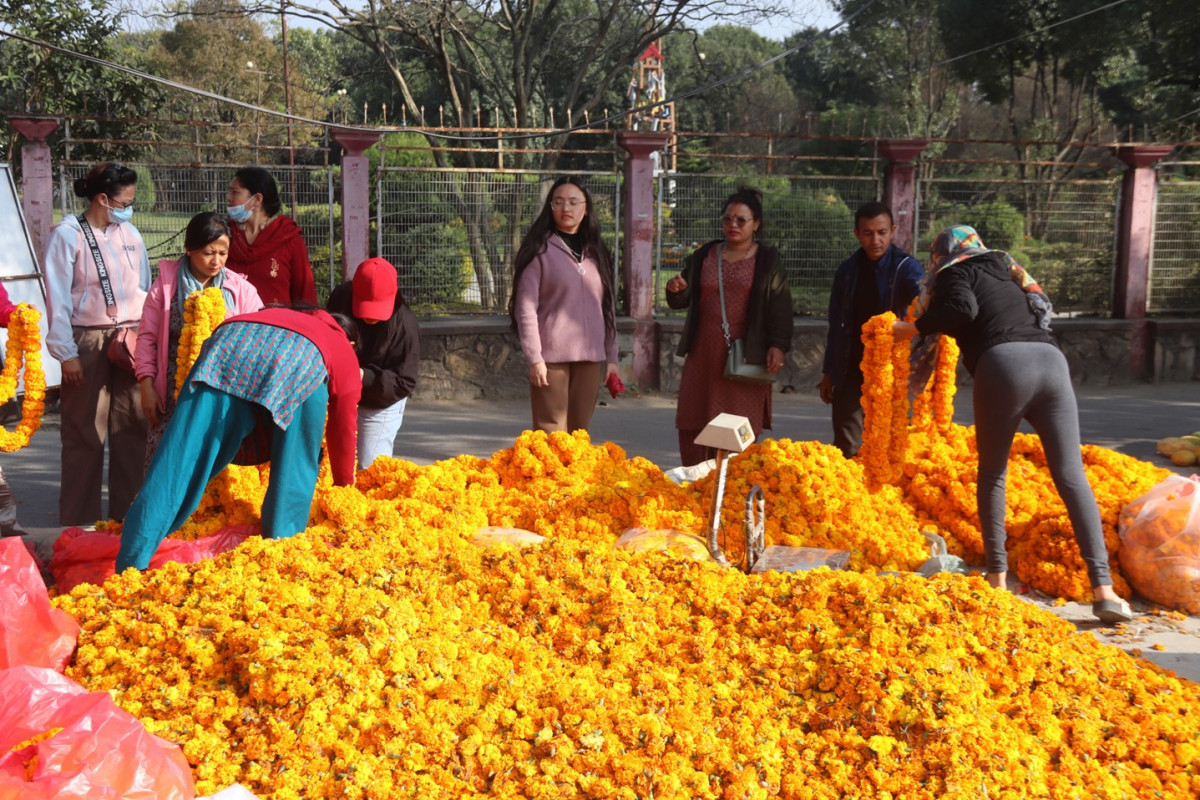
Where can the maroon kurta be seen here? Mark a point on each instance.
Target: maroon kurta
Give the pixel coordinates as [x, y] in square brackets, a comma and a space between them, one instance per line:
[703, 390]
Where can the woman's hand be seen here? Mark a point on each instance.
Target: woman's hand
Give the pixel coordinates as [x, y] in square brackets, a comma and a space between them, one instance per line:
[72, 372]
[538, 375]
[609, 370]
[774, 359]
[150, 405]
[676, 284]
[904, 330]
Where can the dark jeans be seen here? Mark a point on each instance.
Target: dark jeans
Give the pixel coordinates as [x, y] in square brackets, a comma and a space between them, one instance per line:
[848, 413]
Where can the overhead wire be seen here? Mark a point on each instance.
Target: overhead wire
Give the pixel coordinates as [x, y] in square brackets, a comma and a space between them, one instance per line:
[427, 131]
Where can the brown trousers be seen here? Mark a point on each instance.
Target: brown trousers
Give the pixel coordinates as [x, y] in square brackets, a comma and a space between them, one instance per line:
[568, 402]
[105, 408]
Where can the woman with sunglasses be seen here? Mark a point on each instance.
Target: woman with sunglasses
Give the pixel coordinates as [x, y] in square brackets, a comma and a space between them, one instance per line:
[563, 309]
[97, 276]
[758, 306]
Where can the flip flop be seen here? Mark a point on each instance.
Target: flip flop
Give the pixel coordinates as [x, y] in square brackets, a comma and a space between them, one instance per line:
[1112, 611]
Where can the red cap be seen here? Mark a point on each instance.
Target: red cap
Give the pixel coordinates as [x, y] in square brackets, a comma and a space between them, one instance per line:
[374, 289]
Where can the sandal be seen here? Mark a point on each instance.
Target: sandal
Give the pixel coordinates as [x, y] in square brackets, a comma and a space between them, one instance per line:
[1112, 611]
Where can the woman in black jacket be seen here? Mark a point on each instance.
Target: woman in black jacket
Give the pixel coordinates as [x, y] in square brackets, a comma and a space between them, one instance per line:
[389, 353]
[758, 305]
[1001, 320]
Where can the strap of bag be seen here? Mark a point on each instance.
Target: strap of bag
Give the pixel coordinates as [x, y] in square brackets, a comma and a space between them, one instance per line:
[110, 300]
[721, 290]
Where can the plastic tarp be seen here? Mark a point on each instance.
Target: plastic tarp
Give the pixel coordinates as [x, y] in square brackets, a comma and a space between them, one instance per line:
[86, 746]
[32, 632]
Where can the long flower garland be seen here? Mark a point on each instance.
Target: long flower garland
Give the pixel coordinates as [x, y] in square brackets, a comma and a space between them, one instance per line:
[24, 345]
[933, 408]
[884, 401]
[202, 313]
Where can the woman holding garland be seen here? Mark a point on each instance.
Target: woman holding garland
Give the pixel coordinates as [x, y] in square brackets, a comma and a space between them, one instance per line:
[1000, 318]
[206, 248]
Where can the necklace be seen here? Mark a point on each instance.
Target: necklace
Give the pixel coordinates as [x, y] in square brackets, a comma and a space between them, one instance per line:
[575, 254]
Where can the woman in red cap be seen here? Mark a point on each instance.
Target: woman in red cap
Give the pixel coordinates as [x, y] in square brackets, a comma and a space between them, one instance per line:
[389, 352]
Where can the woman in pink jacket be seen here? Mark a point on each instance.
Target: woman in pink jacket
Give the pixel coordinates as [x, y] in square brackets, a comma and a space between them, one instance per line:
[206, 243]
[563, 309]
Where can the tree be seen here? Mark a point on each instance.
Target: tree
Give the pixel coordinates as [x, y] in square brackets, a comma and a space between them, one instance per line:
[38, 81]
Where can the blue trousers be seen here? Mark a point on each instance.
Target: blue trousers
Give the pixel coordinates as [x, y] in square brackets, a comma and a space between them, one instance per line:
[201, 439]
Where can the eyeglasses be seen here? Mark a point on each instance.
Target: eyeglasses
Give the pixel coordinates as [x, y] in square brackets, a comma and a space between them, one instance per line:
[736, 222]
[560, 203]
[118, 205]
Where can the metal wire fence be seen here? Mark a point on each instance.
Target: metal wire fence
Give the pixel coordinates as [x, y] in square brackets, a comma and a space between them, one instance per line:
[1063, 232]
[168, 195]
[453, 233]
[1175, 271]
[809, 218]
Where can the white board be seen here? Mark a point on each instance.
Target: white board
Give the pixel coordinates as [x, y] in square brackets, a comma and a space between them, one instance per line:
[19, 267]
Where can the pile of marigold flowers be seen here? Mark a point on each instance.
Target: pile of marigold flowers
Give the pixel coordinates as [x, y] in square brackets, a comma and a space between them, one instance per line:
[381, 654]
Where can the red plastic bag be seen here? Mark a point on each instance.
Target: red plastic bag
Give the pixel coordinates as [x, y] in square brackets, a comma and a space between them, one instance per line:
[31, 631]
[90, 747]
[91, 556]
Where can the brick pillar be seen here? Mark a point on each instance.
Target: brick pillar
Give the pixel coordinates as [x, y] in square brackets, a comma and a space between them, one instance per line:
[356, 196]
[1135, 239]
[900, 186]
[37, 178]
[637, 262]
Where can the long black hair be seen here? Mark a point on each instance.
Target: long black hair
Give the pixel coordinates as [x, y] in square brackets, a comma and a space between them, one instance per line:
[535, 243]
[107, 178]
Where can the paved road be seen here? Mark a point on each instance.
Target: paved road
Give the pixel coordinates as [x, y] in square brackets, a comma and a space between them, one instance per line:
[1129, 419]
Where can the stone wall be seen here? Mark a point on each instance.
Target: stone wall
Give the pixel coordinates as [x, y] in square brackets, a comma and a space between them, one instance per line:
[481, 358]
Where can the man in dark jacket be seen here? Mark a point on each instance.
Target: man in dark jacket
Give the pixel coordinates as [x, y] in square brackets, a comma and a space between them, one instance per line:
[389, 353]
[879, 277]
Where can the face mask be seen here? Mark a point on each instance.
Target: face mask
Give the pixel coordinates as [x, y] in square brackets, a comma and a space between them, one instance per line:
[238, 213]
[117, 216]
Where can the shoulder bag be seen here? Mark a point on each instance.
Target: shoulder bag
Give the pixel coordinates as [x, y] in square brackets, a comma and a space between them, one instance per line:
[122, 348]
[736, 366]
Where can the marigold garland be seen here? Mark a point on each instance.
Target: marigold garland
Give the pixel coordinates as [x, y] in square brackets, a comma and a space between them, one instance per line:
[203, 312]
[24, 347]
[884, 401]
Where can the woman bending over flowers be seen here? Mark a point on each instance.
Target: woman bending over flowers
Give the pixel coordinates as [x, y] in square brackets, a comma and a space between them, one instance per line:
[1001, 320]
[278, 370]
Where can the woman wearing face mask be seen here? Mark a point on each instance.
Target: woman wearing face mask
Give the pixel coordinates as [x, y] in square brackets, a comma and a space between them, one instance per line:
[266, 247]
[563, 309]
[97, 275]
[206, 244]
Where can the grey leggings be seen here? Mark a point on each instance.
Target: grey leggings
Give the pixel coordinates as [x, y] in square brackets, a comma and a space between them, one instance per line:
[1029, 380]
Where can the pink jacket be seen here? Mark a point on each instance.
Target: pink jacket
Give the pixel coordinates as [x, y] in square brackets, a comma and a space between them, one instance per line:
[152, 346]
[559, 309]
[6, 306]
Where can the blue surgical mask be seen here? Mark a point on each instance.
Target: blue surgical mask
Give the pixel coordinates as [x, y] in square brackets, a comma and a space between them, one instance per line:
[238, 213]
[118, 215]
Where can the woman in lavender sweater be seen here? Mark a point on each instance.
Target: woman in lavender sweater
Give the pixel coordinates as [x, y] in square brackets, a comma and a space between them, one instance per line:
[563, 309]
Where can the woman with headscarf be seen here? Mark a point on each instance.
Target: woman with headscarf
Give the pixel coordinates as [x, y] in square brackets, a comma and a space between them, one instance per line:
[1000, 318]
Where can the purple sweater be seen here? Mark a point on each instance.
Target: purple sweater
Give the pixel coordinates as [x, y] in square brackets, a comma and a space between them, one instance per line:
[559, 311]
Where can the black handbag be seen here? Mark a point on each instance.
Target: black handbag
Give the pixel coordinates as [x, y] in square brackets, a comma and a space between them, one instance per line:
[736, 366]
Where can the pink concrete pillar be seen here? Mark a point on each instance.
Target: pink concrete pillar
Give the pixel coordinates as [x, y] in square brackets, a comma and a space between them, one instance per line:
[356, 196]
[1135, 238]
[37, 178]
[900, 186]
[637, 262]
